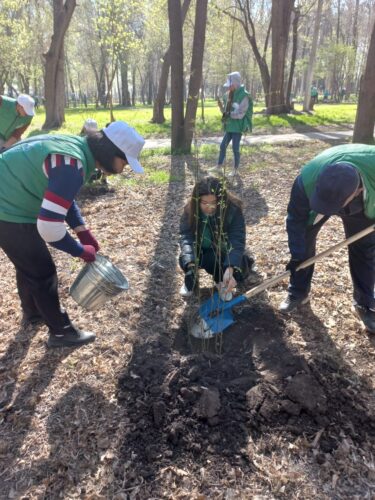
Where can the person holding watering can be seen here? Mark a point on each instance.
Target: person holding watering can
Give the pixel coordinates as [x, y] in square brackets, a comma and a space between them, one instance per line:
[40, 178]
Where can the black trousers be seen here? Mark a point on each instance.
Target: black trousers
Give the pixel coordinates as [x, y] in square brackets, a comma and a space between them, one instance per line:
[35, 272]
[361, 260]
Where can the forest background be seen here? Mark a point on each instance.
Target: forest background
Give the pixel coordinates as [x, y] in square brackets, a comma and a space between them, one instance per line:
[115, 53]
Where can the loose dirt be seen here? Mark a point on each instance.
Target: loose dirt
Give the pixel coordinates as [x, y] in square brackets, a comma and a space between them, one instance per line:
[275, 407]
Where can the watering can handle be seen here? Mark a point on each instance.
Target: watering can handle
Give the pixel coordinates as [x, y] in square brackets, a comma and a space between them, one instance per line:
[276, 279]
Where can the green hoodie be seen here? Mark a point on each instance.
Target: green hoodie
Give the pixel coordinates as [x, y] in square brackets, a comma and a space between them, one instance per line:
[23, 180]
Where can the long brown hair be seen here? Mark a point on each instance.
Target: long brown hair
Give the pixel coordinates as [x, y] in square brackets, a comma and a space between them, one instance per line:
[210, 185]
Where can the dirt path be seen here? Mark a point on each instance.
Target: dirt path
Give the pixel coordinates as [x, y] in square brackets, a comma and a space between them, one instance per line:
[274, 408]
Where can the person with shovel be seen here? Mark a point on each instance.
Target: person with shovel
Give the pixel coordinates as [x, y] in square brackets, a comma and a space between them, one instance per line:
[237, 112]
[339, 181]
[213, 237]
[40, 178]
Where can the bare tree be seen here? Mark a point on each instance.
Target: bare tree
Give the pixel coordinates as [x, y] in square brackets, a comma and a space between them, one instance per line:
[195, 71]
[296, 18]
[365, 119]
[280, 22]
[54, 90]
[177, 79]
[159, 102]
[247, 22]
[310, 68]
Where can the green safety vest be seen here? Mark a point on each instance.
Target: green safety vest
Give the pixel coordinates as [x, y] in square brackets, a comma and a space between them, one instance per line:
[22, 178]
[10, 120]
[361, 156]
[245, 124]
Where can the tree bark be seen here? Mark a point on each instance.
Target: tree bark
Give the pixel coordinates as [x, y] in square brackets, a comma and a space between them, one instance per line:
[281, 17]
[312, 58]
[195, 72]
[177, 74]
[125, 94]
[54, 86]
[159, 102]
[248, 26]
[365, 119]
[297, 15]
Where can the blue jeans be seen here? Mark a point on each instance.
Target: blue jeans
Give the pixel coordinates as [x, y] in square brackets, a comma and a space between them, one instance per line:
[235, 137]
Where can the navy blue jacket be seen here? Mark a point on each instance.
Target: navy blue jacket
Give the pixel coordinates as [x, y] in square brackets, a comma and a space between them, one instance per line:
[297, 220]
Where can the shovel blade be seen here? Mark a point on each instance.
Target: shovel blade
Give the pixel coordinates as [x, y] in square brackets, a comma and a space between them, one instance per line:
[217, 314]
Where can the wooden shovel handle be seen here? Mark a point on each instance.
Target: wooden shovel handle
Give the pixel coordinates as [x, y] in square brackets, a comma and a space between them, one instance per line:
[276, 279]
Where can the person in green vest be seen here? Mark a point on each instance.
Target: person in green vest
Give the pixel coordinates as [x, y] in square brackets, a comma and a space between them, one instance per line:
[237, 111]
[314, 96]
[15, 117]
[40, 178]
[339, 181]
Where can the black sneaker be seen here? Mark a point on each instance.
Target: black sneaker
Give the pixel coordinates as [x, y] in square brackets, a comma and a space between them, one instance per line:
[367, 316]
[69, 336]
[291, 303]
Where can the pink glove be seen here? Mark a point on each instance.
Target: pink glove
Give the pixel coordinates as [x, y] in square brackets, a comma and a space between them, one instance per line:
[88, 254]
[87, 238]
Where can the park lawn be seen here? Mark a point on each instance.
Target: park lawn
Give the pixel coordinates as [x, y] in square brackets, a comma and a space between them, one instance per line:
[331, 115]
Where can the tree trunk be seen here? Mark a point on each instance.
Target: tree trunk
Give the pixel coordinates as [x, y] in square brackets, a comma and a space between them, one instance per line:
[365, 119]
[159, 102]
[297, 14]
[177, 74]
[281, 16]
[125, 95]
[310, 70]
[195, 72]
[54, 68]
[133, 87]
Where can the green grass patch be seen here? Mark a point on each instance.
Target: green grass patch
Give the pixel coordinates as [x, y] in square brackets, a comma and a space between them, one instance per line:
[140, 118]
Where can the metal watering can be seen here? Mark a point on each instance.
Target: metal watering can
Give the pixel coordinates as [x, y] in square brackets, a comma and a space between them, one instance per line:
[98, 282]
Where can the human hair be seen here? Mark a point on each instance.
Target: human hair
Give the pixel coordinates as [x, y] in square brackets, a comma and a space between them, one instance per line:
[103, 150]
[205, 186]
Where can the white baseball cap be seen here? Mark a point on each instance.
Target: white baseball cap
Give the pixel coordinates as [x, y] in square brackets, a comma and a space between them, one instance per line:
[27, 103]
[128, 141]
[233, 79]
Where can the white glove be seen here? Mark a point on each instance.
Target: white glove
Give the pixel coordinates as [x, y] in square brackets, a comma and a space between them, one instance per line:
[228, 281]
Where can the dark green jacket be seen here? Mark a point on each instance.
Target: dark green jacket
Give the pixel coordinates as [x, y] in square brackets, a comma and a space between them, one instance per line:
[227, 237]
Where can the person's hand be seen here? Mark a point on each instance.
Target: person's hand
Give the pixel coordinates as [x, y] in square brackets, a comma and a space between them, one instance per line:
[292, 265]
[87, 238]
[228, 280]
[190, 277]
[88, 254]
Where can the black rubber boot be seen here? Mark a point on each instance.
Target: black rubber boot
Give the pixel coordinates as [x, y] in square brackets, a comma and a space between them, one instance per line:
[69, 336]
